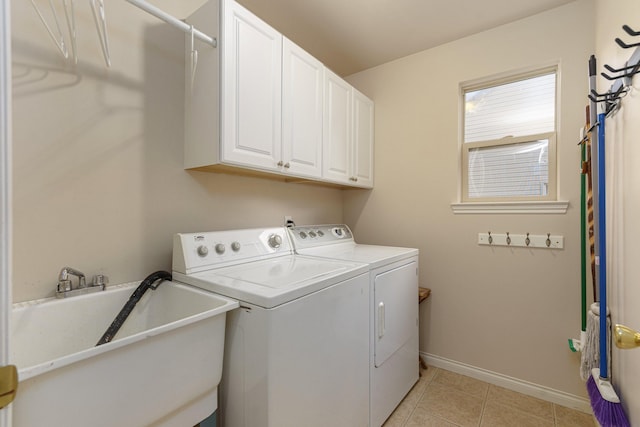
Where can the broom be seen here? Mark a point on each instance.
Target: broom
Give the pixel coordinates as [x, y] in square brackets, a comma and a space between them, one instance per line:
[604, 401]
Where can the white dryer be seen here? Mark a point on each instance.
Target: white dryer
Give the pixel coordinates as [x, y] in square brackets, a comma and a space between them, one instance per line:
[393, 273]
[296, 349]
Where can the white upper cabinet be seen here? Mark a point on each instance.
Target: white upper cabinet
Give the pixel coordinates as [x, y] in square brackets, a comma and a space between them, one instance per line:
[363, 120]
[348, 134]
[260, 103]
[251, 89]
[302, 103]
[337, 129]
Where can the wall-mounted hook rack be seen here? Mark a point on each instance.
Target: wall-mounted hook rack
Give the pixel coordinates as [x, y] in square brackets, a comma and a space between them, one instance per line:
[625, 45]
[623, 77]
[630, 31]
[611, 98]
[620, 70]
[617, 90]
[635, 69]
[528, 240]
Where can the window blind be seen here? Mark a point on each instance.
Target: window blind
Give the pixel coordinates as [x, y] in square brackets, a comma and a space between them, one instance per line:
[519, 108]
[512, 170]
[507, 127]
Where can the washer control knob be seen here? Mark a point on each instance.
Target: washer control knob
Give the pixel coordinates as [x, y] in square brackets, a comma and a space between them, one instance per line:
[312, 234]
[203, 251]
[275, 241]
[303, 235]
[235, 246]
[220, 248]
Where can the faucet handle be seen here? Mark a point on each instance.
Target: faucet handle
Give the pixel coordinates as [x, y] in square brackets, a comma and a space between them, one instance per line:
[100, 280]
[64, 285]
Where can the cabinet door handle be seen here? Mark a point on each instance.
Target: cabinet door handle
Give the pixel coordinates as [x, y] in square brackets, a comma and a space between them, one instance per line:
[279, 163]
[287, 165]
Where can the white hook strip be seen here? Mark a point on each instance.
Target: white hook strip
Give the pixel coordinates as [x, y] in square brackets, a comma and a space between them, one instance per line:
[522, 240]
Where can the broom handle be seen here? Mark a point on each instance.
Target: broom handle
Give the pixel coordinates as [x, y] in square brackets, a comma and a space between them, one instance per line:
[583, 233]
[592, 205]
[602, 239]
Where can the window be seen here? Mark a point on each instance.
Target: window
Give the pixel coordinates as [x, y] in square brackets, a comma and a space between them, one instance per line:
[509, 140]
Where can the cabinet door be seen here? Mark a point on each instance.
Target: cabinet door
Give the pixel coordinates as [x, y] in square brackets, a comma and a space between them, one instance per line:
[252, 89]
[337, 135]
[302, 103]
[363, 119]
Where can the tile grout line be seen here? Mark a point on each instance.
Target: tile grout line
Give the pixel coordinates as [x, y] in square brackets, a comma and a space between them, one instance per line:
[484, 405]
[424, 390]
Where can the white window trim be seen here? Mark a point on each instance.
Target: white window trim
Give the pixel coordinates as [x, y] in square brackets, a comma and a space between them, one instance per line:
[507, 207]
[536, 207]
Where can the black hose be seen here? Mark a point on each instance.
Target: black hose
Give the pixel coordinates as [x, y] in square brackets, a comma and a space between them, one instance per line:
[147, 283]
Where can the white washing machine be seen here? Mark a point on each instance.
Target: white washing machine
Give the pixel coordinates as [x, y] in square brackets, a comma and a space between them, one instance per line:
[296, 350]
[394, 367]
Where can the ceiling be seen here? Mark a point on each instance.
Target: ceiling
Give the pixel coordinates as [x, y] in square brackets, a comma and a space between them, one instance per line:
[353, 35]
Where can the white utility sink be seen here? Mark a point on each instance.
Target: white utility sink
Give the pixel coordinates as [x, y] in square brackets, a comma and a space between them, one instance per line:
[162, 368]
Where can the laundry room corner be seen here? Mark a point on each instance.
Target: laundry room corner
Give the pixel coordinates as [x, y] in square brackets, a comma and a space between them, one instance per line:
[503, 310]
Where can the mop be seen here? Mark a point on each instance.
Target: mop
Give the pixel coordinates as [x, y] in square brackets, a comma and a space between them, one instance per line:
[604, 401]
[588, 344]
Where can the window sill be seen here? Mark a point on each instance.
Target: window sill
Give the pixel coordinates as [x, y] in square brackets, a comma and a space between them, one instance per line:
[541, 207]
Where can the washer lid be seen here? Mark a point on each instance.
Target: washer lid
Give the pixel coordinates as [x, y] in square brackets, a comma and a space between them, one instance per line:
[374, 255]
[271, 282]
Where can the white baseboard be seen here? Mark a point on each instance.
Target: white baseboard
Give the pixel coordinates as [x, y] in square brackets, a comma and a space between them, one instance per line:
[515, 384]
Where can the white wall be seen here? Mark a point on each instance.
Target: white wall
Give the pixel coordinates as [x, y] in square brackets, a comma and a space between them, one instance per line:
[505, 310]
[98, 177]
[623, 191]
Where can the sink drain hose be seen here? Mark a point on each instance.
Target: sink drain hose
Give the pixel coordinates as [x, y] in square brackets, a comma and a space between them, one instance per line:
[147, 283]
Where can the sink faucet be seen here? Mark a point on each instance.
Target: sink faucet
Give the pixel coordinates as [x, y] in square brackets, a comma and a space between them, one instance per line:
[66, 288]
[64, 281]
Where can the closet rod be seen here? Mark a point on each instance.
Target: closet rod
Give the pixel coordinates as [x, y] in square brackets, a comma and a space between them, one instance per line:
[158, 13]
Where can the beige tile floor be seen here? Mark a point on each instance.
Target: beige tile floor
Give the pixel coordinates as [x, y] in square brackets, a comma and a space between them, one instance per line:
[446, 399]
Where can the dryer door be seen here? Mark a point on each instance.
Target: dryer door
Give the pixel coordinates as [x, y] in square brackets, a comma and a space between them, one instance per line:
[396, 310]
